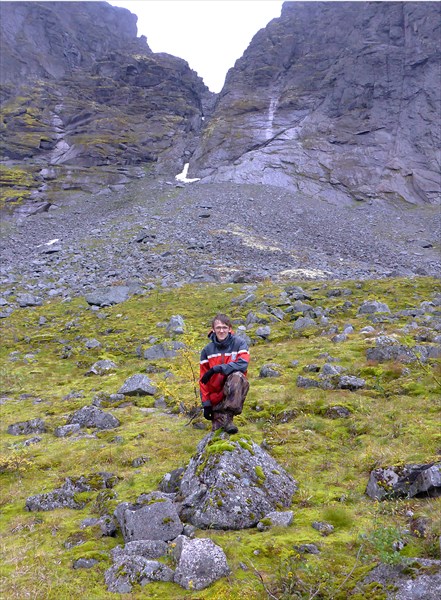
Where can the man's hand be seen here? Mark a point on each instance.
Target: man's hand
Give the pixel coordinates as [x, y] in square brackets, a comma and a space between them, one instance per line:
[208, 413]
[209, 374]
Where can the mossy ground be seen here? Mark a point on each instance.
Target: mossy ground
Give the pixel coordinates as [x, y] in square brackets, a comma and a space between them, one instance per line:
[395, 419]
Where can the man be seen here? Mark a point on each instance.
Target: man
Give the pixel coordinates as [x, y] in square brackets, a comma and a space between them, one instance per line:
[223, 370]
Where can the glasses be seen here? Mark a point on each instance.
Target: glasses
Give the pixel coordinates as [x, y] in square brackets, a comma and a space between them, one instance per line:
[222, 328]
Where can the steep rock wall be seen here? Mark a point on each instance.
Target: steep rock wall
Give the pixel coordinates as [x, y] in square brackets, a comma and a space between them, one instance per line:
[80, 90]
[339, 100]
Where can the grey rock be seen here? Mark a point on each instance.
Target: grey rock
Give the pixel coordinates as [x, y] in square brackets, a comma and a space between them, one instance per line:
[341, 337]
[329, 370]
[338, 412]
[66, 430]
[371, 307]
[92, 343]
[111, 295]
[102, 367]
[32, 440]
[149, 549]
[263, 332]
[27, 427]
[66, 495]
[130, 569]
[418, 580]
[138, 385]
[350, 382]
[307, 549]
[270, 370]
[164, 350]
[106, 523]
[91, 416]
[306, 382]
[200, 562]
[232, 485]
[156, 521]
[323, 527]
[84, 563]
[304, 323]
[171, 482]
[25, 300]
[405, 482]
[277, 519]
[176, 325]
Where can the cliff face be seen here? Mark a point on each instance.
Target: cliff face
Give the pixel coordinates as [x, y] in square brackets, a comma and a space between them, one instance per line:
[80, 91]
[338, 100]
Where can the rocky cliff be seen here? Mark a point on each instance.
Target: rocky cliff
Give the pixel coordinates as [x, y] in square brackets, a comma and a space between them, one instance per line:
[338, 100]
[80, 91]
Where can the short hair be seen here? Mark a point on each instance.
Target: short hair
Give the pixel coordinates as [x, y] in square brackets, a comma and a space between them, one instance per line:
[223, 319]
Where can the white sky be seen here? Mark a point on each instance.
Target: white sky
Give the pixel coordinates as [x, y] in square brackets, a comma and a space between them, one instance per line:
[209, 34]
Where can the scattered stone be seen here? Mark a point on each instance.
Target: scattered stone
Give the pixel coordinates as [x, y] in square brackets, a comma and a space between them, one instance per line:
[146, 548]
[304, 323]
[102, 367]
[66, 430]
[27, 427]
[156, 521]
[92, 343]
[32, 440]
[276, 519]
[163, 350]
[112, 295]
[341, 337]
[307, 549]
[138, 385]
[91, 416]
[323, 527]
[373, 306]
[25, 300]
[130, 569]
[176, 325]
[350, 382]
[67, 495]
[417, 579]
[106, 523]
[338, 412]
[200, 562]
[271, 370]
[263, 332]
[171, 482]
[84, 563]
[405, 482]
[306, 382]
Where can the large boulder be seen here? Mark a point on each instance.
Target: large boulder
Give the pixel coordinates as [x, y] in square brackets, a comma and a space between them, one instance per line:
[232, 484]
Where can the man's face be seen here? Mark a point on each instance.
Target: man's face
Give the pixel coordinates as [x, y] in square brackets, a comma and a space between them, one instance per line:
[221, 330]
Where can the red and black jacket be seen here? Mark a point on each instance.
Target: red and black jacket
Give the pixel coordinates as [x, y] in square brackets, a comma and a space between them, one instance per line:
[231, 355]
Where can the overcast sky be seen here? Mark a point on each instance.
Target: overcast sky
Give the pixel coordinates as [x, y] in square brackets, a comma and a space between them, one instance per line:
[209, 34]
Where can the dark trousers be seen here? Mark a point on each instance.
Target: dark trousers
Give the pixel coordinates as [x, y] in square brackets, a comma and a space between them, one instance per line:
[235, 391]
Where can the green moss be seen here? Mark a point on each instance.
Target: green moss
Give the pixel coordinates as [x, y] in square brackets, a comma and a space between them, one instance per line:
[259, 473]
[330, 459]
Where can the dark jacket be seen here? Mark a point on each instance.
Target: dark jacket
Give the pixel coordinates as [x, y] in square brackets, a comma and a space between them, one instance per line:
[228, 356]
